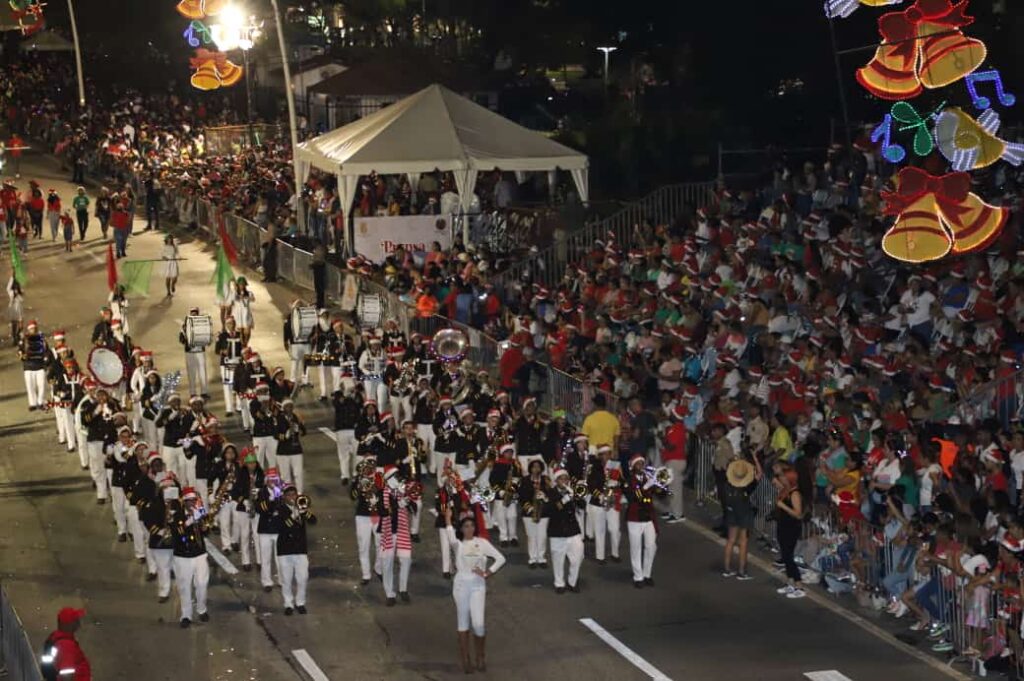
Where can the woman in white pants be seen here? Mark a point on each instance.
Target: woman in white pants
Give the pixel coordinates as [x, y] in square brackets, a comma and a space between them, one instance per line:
[469, 590]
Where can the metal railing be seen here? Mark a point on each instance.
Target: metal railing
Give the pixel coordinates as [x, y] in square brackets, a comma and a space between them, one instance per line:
[18, 659]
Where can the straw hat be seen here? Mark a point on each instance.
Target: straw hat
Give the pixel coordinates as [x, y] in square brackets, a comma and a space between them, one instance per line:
[740, 473]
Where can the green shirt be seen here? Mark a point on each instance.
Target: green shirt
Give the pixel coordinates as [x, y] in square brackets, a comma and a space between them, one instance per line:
[80, 203]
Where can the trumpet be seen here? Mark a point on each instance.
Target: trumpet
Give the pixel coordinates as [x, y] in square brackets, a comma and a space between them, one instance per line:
[303, 503]
[482, 494]
[662, 476]
[580, 490]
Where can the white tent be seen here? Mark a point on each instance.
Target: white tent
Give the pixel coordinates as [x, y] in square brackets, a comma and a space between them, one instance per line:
[436, 129]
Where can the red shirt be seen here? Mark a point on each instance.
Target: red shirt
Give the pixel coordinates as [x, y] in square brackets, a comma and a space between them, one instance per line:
[675, 443]
[508, 365]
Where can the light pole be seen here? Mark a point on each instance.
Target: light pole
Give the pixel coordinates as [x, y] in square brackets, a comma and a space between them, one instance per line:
[233, 32]
[78, 54]
[299, 213]
[607, 51]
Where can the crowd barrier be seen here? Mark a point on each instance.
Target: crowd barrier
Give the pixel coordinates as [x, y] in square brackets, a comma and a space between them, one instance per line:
[18, 659]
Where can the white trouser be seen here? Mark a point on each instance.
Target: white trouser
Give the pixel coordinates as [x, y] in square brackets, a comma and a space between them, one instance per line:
[149, 433]
[137, 415]
[267, 556]
[203, 490]
[536, 538]
[388, 565]
[243, 533]
[607, 524]
[345, 441]
[138, 532]
[643, 544]
[266, 450]
[163, 558]
[293, 567]
[297, 355]
[324, 377]
[119, 505]
[374, 388]
[35, 386]
[470, 595]
[246, 414]
[195, 366]
[562, 548]
[675, 499]
[96, 469]
[189, 574]
[439, 459]
[447, 548]
[254, 522]
[83, 447]
[227, 374]
[66, 432]
[365, 534]
[414, 518]
[505, 517]
[228, 526]
[292, 470]
[425, 432]
[173, 460]
[188, 470]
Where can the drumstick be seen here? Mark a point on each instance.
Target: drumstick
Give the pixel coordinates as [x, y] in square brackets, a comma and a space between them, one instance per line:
[153, 260]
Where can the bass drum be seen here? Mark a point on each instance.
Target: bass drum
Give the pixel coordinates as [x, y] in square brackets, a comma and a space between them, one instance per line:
[198, 330]
[369, 310]
[106, 367]
[303, 322]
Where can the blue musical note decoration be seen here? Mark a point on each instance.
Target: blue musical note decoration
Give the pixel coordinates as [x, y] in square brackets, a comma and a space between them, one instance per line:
[893, 153]
[981, 103]
[197, 34]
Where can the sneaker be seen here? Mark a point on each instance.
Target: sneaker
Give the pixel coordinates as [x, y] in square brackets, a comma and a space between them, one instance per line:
[918, 626]
[938, 632]
[301, 610]
[785, 591]
[901, 610]
[796, 593]
[390, 602]
[728, 573]
[666, 516]
[672, 520]
[204, 617]
[185, 622]
[942, 647]
[743, 577]
[288, 612]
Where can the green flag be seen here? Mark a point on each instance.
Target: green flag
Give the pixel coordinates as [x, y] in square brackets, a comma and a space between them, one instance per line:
[16, 264]
[135, 276]
[222, 275]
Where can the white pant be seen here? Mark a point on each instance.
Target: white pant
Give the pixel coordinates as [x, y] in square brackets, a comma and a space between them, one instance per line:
[267, 556]
[138, 532]
[189, 574]
[266, 450]
[536, 538]
[470, 595]
[188, 471]
[203, 490]
[97, 470]
[439, 459]
[376, 389]
[643, 544]
[83, 448]
[293, 568]
[388, 564]
[163, 558]
[246, 414]
[607, 524]
[326, 375]
[242, 533]
[174, 458]
[505, 517]
[296, 354]
[414, 518]
[35, 386]
[291, 469]
[195, 366]
[227, 379]
[228, 527]
[66, 431]
[149, 434]
[365, 534]
[425, 432]
[137, 415]
[562, 548]
[119, 505]
[447, 548]
[345, 441]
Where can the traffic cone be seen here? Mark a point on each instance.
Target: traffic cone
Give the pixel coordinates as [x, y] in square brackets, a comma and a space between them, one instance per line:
[205, 77]
[918, 235]
[975, 224]
[891, 74]
[948, 56]
[229, 74]
[190, 9]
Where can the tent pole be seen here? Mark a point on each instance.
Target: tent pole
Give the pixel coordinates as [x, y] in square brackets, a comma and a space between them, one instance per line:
[78, 54]
[300, 215]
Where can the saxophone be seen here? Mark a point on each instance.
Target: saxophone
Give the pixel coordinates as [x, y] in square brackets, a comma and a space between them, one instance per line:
[407, 378]
[223, 492]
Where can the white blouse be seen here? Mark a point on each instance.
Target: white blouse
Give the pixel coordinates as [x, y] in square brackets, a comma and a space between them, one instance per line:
[472, 554]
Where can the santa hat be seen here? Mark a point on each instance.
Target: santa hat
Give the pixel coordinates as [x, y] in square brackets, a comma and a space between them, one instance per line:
[445, 399]
[390, 471]
[1008, 356]
[635, 459]
[558, 472]
[507, 449]
[493, 412]
[735, 416]
[386, 416]
[273, 473]
[58, 334]
[993, 456]
[189, 493]
[680, 411]
[153, 456]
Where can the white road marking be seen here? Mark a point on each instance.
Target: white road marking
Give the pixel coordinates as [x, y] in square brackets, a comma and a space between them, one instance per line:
[220, 559]
[830, 675]
[621, 648]
[309, 665]
[328, 432]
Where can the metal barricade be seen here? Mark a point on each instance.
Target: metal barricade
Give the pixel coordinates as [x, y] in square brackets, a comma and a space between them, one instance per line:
[302, 267]
[702, 456]
[17, 655]
[285, 261]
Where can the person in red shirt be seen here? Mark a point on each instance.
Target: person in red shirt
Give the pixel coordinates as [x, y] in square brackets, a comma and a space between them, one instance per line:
[673, 455]
[14, 145]
[509, 364]
[995, 478]
[62, 651]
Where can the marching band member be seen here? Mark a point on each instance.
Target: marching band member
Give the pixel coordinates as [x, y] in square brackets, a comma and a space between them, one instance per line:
[534, 492]
[264, 426]
[409, 459]
[564, 533]
[229, 348]
[322, 341]
[289, 451]
[121, 345]
[203, 448]
[528, 433]
[574, 457]
[137, 384]
[371, 367]
[643, 537]
[366, 493]
[224, 474]
[339, 355]
[149, 407]
[195, 360]
[120, 452]
[141, 489]
[399, 390]
[191, 569]
[241, 301]
[292, 558]
[244, 492]
[470, 445]
[177, 423]
[505, 478]
[423, 405]
[156, 516]
[248, 375]
[119, 305]
[392, 335]
[84, 406]
[469, 590]
[395, 540]
[101, 333]
[35, 356]
[67, 392]
[604, 510]
[298, 348]
[280, 387]
[384, 446]
[100, 431]
[446, 424]
[483, 398]
[346, 415]
[268, 526]
[503, 403]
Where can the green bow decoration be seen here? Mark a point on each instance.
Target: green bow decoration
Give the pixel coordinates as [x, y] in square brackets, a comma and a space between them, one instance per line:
[905, 113]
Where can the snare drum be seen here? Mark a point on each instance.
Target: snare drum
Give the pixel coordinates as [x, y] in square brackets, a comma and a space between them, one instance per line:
[106, 367]
[369, 310]
[198, 330]
[303, 322]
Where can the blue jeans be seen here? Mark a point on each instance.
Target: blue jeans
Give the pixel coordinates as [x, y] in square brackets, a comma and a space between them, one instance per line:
[928, 597]
[896, 582]
[120, 242]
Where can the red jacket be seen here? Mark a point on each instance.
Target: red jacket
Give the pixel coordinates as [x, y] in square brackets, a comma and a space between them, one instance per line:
[70, 656]
[508, 365]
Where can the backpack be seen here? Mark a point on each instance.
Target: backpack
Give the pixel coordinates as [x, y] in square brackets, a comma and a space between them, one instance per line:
[48, 659]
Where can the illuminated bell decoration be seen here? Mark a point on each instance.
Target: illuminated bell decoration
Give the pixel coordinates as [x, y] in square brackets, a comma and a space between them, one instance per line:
[970, 144]
[840, 9]
[918, 234]
[205, 77]
[191, 9]
[229, 74]
[212, 8]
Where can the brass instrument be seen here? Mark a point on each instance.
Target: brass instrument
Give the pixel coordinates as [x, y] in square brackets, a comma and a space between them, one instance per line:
[536, 505]
[662, 476]
[407, 378]
[413, 490]
[580, 490]
[303, 503]
[480, 494]
[511, 486]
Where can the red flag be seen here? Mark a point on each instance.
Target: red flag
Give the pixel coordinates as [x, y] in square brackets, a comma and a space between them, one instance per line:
[225, 239]
[111, 268]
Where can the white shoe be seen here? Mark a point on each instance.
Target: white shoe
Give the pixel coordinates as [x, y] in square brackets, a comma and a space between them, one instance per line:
[785, 591]
[796, 593]
[901, 610]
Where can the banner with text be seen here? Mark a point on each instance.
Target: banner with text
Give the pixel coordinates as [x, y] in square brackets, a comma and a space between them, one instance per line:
[377, 238]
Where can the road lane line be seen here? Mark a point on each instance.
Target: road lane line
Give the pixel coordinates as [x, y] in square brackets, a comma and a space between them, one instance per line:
[829, 675]
[220, 559]
[621, 648]
[328, 432]
[309, 665]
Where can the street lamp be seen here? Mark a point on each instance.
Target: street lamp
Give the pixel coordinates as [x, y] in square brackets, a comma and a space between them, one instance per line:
[236, 32]
[607, 51]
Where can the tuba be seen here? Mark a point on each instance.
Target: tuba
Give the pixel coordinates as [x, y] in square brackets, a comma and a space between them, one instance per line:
[450, 346]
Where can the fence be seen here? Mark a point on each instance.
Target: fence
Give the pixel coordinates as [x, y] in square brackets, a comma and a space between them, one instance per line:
[18, 659]
[659, 207]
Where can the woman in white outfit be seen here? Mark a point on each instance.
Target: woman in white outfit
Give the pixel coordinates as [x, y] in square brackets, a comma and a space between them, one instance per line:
[469, 588]
[170, 258]
[241, 308]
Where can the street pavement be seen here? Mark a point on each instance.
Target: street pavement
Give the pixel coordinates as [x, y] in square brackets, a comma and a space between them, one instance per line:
[57, 547]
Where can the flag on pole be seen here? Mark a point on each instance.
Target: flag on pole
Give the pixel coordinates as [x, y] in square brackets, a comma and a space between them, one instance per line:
[135, 276]
[16, 264]
[111, 268]
[222, 274]
[225, 240]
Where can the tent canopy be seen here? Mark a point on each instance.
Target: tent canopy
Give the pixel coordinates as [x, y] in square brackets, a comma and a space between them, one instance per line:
[436, 129]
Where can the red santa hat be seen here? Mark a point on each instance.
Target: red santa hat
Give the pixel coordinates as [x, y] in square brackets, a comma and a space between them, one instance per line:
[735, 416]
[635, 459]
[189, 493]
[390, 471]
[386, 416]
